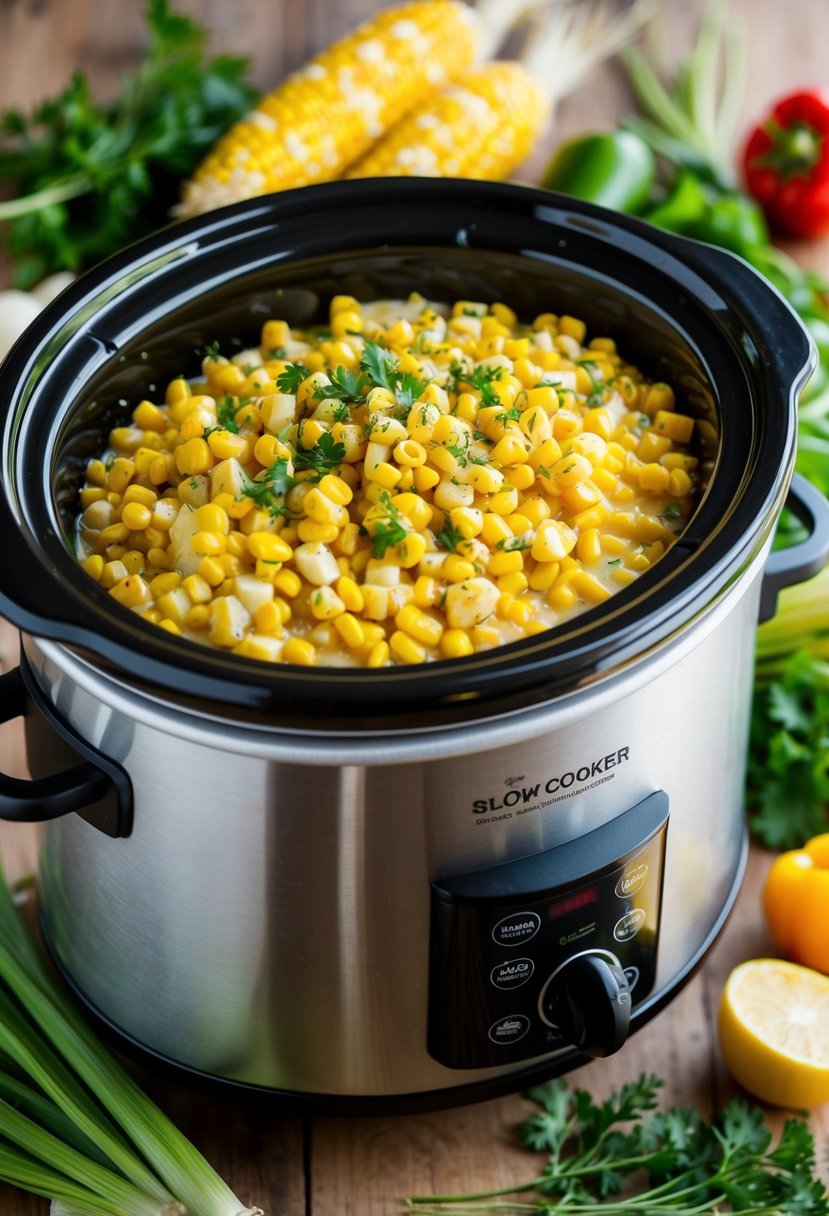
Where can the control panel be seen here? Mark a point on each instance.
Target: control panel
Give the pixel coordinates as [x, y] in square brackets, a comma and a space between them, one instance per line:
[548, 951]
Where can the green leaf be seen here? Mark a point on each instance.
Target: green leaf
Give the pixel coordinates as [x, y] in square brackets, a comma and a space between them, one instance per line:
[290, 378]
[379, 364]
[324, 456]
[89, 177]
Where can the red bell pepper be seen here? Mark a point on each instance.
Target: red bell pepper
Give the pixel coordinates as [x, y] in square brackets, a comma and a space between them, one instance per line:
[786, 164]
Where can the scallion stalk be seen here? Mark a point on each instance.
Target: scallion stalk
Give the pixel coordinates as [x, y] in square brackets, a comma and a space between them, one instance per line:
[21, 1041]
[46, 1037]
[19, 1169]
[49, 1116]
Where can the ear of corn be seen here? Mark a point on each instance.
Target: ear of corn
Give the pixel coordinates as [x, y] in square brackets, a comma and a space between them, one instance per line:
[484, 126]
[327, 115]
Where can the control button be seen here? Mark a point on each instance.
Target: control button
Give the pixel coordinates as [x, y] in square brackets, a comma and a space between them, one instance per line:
[628, 926]
[632, 879]
[632, 977]
[510, 1029]
[512, 973]
[516, 928]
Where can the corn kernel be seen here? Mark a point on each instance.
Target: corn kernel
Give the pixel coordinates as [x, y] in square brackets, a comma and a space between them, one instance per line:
[267, 546]
[419, 625]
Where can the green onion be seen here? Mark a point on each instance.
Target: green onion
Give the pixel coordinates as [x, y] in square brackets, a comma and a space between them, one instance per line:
[123, 1156]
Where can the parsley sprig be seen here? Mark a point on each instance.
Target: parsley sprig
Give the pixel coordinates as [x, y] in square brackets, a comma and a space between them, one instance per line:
[268, 490]
[682, 1163]
[324, 456]
[380, 367]
[88, 177]
[389, 530]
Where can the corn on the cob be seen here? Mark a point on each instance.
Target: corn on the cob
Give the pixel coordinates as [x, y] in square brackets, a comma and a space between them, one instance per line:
[329, 113]
[483, 126]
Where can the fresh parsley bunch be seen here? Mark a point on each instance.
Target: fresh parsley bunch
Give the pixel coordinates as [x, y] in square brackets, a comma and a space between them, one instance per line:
[90, 178]
[622, 1156]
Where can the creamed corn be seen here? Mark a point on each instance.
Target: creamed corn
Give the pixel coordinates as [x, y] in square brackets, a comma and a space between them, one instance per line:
[410, 482]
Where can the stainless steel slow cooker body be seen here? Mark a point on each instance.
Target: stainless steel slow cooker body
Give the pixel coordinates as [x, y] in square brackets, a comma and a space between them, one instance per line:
[419, 884]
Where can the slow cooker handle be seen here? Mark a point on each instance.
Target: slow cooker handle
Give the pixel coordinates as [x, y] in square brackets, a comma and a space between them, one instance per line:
[97, 788]
[785, 567]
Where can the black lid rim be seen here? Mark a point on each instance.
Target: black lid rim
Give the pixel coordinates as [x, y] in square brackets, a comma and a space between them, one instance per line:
[66, 607]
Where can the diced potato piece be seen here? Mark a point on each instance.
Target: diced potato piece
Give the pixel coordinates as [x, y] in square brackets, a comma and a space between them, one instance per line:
[227, 477]
[185, 559]
[278, 411]
[228, 621]
[317, 563]
[252, 592]
[470, 602]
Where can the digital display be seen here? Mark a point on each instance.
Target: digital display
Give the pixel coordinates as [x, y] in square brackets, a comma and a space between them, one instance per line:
[572, 902]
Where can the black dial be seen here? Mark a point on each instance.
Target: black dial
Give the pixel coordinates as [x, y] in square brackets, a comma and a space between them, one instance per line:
[588, 1000]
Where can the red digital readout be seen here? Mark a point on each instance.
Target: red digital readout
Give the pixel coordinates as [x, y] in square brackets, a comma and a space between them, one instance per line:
[570, 903]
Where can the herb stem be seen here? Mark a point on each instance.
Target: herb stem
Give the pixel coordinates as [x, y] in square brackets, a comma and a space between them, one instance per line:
[61, 192]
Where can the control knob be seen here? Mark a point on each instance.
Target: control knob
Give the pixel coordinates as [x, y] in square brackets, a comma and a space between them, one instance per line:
[588, 1000]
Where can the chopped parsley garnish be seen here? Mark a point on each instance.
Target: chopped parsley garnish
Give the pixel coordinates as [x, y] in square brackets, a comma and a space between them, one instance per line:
[389, 531]
[226, 414]
[380, 366]
[324, 456]
[510, 543]
[614, 561]
[483, 380]
[276, 352]
[346, 385]
[211, 351]
[269, 489]
[460, 451]
[290, 378]
[408, 389]
[510, 415]
[449, 537]
[341, 413]
[672, 511]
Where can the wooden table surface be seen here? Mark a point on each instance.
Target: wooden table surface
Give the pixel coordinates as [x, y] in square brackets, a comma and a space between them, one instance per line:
[336, 1167]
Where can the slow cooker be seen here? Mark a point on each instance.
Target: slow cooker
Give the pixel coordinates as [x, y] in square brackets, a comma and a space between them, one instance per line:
[414, 885]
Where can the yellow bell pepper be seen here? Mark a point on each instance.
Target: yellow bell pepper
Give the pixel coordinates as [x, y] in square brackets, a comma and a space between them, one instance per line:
[796, 903]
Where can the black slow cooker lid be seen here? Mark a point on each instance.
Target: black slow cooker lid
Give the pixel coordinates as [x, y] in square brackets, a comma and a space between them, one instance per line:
[685, 312]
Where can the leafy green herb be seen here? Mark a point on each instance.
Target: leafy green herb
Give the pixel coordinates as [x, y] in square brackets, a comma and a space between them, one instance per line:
[213, 351]
[88, 178]
[268, 490]
[673, 1161]
[788, 774]
[341, 412]
[483, 379]
[389, 531]
[324, 456]
[672, 511]
[291, 376]
[346, 384]
[409, 389]
[380, 366]
[449, 537]
[510, 415]
[226, 414]
[512, 543]
[276, 352]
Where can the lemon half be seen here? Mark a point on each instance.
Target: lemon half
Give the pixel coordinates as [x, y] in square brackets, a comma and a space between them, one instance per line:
[774, 1032]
